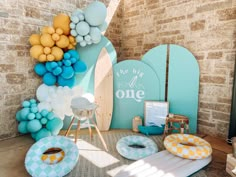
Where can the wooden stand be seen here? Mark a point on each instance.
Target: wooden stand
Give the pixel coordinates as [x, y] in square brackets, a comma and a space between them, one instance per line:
[183, 122]
[88, 114]
[230, 164]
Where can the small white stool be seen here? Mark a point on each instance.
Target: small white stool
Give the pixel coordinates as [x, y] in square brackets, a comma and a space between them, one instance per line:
[83, 109]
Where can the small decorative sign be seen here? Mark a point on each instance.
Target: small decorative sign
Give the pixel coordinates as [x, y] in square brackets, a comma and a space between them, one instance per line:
[155, 113]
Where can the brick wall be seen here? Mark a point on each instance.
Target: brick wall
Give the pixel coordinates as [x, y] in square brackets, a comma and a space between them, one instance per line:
[18, 20]
[207, 28]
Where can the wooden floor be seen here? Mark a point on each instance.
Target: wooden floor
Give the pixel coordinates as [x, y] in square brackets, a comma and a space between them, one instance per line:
[12, 153]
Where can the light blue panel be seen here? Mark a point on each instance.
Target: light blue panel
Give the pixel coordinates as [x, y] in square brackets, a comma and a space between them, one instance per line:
[156, 59]
[133, 84]
[183, 84]
[89, 55]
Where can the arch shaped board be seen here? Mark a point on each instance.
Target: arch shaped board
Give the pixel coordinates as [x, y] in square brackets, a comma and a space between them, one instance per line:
[133, 84]
[183, 84]
[89, 55]
[156, 59]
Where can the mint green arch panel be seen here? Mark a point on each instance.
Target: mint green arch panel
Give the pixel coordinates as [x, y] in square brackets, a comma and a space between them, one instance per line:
[89, 55]
[133, 84]
[183, 84]
[156, 59]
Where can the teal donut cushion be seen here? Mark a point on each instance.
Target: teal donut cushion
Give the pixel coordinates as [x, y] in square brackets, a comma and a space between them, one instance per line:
[37, 168]
[127, 147]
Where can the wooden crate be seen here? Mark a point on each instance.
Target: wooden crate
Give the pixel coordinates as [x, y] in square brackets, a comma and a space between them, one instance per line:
[230, 164]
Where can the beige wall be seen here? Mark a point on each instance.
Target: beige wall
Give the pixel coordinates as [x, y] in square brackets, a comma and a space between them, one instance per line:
[207, 28]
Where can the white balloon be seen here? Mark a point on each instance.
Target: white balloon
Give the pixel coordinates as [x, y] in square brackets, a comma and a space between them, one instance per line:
[95, 34]
[79, 38]
[72, 25]
[42, 92]
[103, 26]
[83, 43]
[44, 105]
[81, 17]
[73, 32]
[77, 91]
[74, 19]
[82, 28]
[89, 96]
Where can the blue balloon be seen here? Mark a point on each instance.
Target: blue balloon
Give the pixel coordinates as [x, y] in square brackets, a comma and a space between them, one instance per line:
[67, 62]
[49, 79]
[67, 72]
[53, 64]
[42, 134]
[57, 71]
[79, 67]
[67, 55]
[31, 116]
[34, 126]
[66, 82]
[50, 116]
[54, 125]
[26, 104]
[48, 66]
[22, 127]
[32, 101]
[73, 60]
[33, 105]
[74, 54]
[44, 112]
[18, 116]
[40, 69]
[43, 121]
[34, 109]
[24, 113]
[33, 135]
[59, 63]
[38, 115]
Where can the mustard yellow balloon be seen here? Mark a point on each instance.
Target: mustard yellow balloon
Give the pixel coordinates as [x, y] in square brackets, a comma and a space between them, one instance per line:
[46, 40]
[55, 37]
[50, 57]
[62, 21]
[47, 50]
[57, 53]
[34, 39]
[42, 58]
[59, 31]
[63, 42]
[36, 51]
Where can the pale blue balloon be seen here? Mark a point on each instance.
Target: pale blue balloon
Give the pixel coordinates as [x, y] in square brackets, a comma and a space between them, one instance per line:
[38, 115]
[82, 28]
[34, 109]
[50, 116]
[89, 42]
[74, 19]
[22, 127]
[103, 26]
[79, 38]
[26, 104]
[77, 12]
[83, 43]
[31, 116]
[81, 17]
[95, 34]
[87, 38]
[44, 121]
[72, 25]
[73, 32]
[95, 13]
[24, 113]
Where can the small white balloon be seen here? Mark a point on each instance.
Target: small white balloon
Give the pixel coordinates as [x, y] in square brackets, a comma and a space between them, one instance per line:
[83, 43]
[77, 12]
[87, 38]
[73, 32]
[89, 96]
[72, 25]
[81, 17]
[42, 92]
[74, 19]
[82, 28]
[79, 38]
[44, 105]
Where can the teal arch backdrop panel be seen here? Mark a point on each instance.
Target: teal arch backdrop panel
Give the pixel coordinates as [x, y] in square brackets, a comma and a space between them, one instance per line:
[89, 55]
[156, 59]
[133, 84]
[183, 84]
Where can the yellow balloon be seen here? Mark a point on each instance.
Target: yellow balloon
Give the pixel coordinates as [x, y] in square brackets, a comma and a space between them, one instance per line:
[57, 52]
[47, 29]
[36, 51]
[34, 39]
[62, 21]
[59, 31]
[63, 42]
[46, 40]
[47, 50]
[50, 57]
[42, 58]
[55, 37]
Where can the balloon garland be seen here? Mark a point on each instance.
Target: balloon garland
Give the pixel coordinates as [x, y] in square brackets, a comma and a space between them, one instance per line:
[58, 64]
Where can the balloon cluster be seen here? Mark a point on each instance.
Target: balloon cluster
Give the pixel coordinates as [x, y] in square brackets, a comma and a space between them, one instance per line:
[49, 45]
[39, 123]
[86, 26]
[57, 99]
[61, 72]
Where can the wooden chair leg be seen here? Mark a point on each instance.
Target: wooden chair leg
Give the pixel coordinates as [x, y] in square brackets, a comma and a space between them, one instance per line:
[68, 130]
[90, 131]
[77, 131]
[100, 136]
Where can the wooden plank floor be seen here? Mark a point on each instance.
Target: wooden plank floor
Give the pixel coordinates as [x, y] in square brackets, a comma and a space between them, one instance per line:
[13, 151]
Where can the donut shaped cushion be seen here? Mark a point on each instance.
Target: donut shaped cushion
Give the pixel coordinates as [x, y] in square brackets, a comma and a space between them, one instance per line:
[38, 168]
[187, 146]
[136, 147]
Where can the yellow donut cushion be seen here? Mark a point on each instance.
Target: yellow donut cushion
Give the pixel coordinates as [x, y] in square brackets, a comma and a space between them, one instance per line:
[187, 146]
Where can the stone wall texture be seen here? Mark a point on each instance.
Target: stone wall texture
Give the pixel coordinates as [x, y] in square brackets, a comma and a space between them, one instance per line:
[206, 27]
